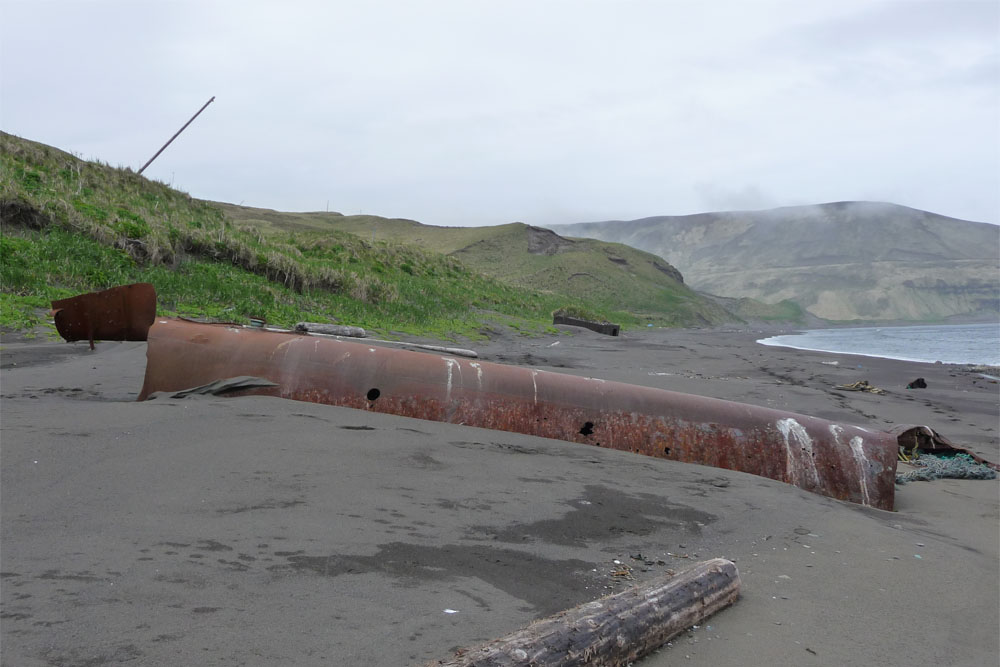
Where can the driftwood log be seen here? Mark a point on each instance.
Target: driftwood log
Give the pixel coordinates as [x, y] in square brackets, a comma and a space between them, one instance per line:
[615, 630]
[606, 328]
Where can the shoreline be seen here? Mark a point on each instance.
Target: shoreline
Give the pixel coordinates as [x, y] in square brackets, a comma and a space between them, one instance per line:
[985, 349]
[962, 365]
[257, 529]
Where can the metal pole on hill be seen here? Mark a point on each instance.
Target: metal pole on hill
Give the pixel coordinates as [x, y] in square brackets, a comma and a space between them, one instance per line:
[176, 135]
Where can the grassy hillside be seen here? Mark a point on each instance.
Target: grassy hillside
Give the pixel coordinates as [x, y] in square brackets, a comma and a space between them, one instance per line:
[70, 226]
[753, 310]
[607, 276]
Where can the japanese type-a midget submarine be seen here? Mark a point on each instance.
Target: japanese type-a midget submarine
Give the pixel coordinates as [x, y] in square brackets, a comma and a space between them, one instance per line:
[843, 461]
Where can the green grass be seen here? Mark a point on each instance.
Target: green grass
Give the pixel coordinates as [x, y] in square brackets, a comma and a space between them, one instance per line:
[70, 226]
[445, 300]
[606, 277]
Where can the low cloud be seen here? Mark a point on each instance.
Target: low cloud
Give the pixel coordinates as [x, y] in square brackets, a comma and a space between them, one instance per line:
[715, 197]
[465, 113]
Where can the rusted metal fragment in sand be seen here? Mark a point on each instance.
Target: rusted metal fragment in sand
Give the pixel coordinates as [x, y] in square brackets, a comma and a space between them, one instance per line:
[838, 460]
[924, 438]
[119, 313]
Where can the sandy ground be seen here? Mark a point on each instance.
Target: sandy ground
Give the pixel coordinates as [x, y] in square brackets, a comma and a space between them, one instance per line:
[258, 531]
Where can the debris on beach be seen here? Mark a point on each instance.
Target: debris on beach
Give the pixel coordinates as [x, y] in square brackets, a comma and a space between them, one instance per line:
[960, 466]
[219, 387]
[843, 461]
[316, 329]
[915, 441]
[606, 328]
[861, 385]
[119, 313]
[617, 629]
[919, 383]
[989, 373]
[839, 460]
[331, 329]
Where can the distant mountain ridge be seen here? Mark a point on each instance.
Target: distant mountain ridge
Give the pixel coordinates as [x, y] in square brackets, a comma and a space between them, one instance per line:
[839, 261]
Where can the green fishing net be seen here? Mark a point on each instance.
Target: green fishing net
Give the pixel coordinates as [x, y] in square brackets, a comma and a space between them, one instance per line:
[960, 466]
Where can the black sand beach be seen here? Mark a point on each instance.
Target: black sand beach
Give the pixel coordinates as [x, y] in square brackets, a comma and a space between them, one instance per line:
[261, 531]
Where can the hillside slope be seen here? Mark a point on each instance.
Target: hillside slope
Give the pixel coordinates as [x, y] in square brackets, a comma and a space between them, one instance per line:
[609, 276]
[68, 226]
[839, 261]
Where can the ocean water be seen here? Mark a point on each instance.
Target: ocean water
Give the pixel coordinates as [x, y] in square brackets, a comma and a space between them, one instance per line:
[950, 344]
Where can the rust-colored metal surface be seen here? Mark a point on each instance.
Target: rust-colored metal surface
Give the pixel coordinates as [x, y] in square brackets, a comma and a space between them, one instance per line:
[119, 313]
[838, 460]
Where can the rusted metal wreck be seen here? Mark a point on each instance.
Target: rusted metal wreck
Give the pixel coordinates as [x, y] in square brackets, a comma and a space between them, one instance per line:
[119, 313]
[839, 460]
[842, 461]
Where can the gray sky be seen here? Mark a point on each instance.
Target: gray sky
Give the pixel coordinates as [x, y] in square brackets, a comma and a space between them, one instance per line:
[544, 111]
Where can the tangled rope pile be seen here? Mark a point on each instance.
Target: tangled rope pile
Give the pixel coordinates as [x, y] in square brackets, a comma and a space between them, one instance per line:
[960, 466]
[861, 385]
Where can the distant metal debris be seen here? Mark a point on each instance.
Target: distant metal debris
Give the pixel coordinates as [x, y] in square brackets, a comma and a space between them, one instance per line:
[119, 313]
[606, 328]
[839, 460]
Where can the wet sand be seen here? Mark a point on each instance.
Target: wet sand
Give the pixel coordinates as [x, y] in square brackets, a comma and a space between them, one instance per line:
[260, 531]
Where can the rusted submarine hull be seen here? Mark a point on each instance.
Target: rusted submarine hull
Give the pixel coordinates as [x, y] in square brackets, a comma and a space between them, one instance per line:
[842, 461]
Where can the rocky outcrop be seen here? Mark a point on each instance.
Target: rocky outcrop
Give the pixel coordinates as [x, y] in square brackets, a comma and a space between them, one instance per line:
[545, 241]
[669, 270]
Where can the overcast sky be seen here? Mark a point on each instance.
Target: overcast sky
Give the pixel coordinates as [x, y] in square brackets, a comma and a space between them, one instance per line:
[541, 111]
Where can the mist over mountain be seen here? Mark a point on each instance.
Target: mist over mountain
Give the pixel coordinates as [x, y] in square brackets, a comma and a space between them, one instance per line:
[839, 261]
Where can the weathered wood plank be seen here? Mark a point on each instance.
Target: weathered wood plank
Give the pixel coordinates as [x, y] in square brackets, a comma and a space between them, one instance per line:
[617, 629]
